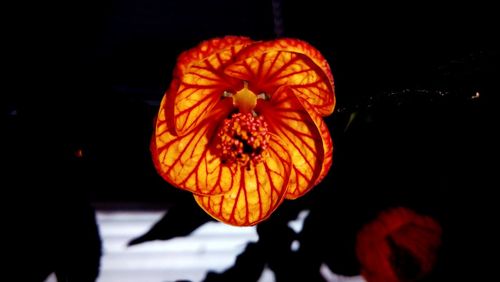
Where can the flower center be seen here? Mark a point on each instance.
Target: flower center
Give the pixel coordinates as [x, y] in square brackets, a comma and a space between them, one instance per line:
[242, 139]
[245, 100]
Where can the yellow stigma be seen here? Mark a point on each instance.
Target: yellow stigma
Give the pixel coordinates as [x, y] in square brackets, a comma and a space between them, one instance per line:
[245, 100]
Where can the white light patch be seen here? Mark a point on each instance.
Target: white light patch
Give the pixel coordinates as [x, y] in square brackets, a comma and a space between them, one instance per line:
[297, 224]
[267, 275]
[213, 246]
[51, 278]
[295, 246]
[330, 276]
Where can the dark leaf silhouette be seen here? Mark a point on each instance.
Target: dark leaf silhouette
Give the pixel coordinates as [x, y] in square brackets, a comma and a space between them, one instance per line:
[180, 220]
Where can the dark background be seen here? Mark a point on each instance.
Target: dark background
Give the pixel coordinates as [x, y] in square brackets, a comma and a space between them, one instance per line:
[88, 75]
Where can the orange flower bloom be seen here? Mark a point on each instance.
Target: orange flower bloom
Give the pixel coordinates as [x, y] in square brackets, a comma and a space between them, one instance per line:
[241, 125]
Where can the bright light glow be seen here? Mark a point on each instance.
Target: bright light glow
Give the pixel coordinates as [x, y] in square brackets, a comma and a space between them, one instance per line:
[298, 223]
[267, 275]
[52, 278]
[295, 246]
[213, 246]
[332, 277]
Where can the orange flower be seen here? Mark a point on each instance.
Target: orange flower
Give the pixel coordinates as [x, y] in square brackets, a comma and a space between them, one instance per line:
[241, 125]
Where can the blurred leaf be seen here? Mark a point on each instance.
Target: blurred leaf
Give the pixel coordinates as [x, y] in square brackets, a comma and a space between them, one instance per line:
[179, 221]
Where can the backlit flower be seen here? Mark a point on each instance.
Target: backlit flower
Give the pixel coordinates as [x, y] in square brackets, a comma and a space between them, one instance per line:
[241, 125]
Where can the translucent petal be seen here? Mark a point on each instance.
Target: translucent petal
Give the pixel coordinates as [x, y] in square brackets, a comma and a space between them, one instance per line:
[270, 65]
[306, 138]
[261, 189]
[199, 80]
[188, 161]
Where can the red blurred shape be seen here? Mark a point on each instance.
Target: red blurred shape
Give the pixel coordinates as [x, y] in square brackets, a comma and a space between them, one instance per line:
[399, 245]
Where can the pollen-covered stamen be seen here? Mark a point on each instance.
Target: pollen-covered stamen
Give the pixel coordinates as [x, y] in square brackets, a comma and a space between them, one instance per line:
[243, 138]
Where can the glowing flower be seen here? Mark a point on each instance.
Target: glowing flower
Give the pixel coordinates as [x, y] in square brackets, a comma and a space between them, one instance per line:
[400, 245]
[241, 125]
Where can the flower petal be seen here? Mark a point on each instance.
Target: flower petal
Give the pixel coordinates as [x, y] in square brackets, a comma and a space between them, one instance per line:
[326, 140]
[260, 191]
[188, 161]
[199, 80]
[306, 138]
[291, 62]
